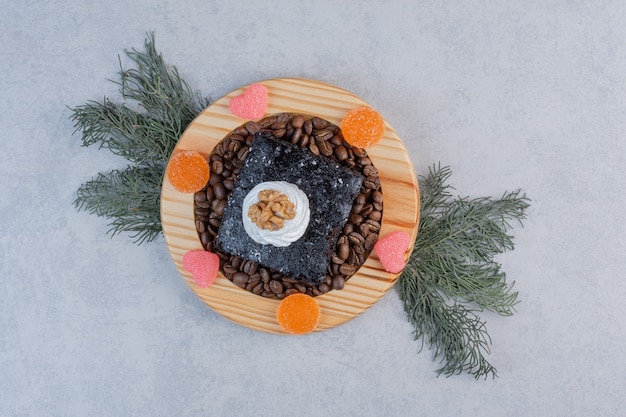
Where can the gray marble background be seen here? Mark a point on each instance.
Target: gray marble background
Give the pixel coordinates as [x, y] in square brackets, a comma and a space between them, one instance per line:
[509, 94]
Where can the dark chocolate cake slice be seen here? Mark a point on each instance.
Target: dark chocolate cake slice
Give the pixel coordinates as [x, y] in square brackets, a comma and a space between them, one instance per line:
[330, 188]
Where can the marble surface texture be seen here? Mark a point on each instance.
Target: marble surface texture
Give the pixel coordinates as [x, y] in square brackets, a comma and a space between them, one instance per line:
[527, 95]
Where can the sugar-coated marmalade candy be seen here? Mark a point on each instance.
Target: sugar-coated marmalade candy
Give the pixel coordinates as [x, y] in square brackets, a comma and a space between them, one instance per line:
[252, 104]
[188, 171]
[362, 127]
[298, 313]
[391, 249]
[202, 265]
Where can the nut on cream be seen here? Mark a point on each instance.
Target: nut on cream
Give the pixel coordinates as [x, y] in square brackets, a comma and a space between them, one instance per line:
[292, 230]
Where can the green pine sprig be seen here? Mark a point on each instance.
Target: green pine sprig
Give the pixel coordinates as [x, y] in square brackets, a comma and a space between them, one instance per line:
[157, 105]
[451, 275]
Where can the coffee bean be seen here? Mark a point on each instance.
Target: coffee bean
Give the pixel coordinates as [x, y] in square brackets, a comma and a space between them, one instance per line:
[201, 211]
[217, 167]
[229, 183]
[370, 241]
[304, 141]
[218, 207]
[234, 146]
[229, 269]
[283, 117]
[215, 178]
[297, 134]
[373, 225]
[249, 267]
[215, 221]
[200, 196]
[267, 121]
[241, 130]
[288, 134]
[336, 259]
[366, 210]
[338, 282]
[341, 153]
[220, 191]
[355, 219]
[308, 127]
[377, 196]
[264, 274]
[323, 135]
[280, 133]
[364, 161]
[325, 148]
[323, 288]
[200, 226]
[258, 288]
[375, 215]
[353, 258]
[364, 230]
[357, 208]
[236, 261]
[370, 185]
[291, 291]
[313, 148]
[369, 170]
[343, 251]
[286, 280]
[297, 121]
[359, 152]
[319, 123]
[252, 127]
[279, 125]
[205, 238]
[347, 269]
[209, 193]
[276, 287]
[243, 152]
[240, 279]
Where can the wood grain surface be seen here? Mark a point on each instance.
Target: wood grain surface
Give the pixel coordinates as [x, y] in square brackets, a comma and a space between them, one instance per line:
[398, 182]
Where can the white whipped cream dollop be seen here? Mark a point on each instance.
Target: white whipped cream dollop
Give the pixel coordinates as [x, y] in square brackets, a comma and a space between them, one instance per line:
[292, 230]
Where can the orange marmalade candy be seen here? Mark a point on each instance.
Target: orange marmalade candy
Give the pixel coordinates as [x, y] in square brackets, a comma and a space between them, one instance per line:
[298, 313]
[362, 127]
[188, 171]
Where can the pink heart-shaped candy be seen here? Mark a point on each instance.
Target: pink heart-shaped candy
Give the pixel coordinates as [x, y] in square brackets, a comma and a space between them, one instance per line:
[203, 266]
[251, 104]
[391, 249]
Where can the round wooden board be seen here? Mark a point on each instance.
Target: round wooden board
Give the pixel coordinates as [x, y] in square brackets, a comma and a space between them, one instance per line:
[398, 182]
